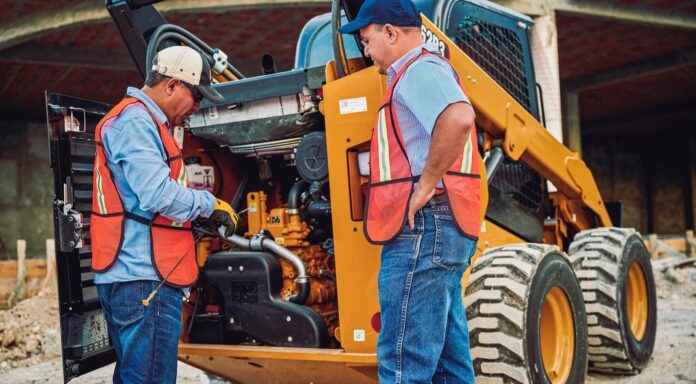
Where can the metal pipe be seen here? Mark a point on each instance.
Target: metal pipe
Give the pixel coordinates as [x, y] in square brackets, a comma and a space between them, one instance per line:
[493, 162]
[260, 242]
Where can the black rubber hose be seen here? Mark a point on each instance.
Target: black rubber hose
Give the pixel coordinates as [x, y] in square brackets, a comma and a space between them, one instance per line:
[240, 196]
[336, 36]
[166, 31]
[295, 193]
[302, 293]
[319, 209]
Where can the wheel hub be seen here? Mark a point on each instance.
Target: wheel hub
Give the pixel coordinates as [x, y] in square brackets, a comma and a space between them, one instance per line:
[637, 301]
[557, 334]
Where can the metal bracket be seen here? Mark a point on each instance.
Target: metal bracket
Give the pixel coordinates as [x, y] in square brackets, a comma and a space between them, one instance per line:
[220, 59]
[70, 226]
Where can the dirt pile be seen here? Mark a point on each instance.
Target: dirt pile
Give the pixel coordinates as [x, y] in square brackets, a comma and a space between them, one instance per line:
[29, 332]
[675, 283]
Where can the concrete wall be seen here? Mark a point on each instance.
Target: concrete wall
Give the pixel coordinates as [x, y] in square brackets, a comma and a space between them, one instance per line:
[25, 188]
[653, 175]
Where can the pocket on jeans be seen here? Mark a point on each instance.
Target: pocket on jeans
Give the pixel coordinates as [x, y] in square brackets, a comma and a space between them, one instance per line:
[127, 315]
[452, 250]
[126, 303]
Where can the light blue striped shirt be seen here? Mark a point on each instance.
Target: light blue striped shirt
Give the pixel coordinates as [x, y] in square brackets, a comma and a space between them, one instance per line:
[424, 91]
[137, 160]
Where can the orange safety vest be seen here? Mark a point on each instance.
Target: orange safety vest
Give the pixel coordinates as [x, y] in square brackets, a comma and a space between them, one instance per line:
[391, 181]
[171, 248]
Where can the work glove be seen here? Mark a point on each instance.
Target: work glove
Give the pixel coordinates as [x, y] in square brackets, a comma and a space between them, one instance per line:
[224, 216]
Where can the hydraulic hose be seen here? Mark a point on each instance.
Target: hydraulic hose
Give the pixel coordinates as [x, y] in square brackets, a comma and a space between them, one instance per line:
[175, 32]
[260, 242]
[337, 38]
[294, 197]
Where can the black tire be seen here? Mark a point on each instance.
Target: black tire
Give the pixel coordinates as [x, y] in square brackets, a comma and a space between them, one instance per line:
[504, 298]
[602, 258]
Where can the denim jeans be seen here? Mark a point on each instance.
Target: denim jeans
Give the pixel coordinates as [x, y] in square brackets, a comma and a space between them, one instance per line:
[145, 338]
[424, 336]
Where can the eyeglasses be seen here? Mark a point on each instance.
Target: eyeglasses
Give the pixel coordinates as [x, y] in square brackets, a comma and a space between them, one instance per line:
[365, 43]
[197, 96]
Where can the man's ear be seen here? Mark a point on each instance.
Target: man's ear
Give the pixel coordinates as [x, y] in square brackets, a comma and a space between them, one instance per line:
[170, 85]
[391, 33]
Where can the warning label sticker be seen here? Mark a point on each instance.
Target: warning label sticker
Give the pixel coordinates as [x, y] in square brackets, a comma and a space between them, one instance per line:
[358, 104]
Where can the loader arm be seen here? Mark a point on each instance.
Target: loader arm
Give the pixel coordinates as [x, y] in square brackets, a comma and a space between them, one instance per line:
[524, 138]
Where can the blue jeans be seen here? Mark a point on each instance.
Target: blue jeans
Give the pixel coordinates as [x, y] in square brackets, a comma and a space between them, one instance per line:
[145, 338]
[424, 336]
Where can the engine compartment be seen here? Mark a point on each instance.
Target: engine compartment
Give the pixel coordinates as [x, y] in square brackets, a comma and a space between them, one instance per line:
[249, 292]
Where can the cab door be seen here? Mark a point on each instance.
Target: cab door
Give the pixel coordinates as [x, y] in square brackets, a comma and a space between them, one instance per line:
[84, 336]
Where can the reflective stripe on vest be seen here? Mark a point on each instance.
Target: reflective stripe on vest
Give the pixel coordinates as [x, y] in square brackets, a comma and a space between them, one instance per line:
[170, 240]
[391, 181]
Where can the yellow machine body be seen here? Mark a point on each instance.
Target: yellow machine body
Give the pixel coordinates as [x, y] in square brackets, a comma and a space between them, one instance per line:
[357, 261]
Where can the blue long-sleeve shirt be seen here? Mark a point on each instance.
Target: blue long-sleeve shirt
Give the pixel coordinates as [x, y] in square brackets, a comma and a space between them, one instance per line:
[137, 160]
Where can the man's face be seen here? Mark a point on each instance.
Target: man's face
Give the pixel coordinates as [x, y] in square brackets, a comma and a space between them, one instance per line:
[375, 45]
[184, 101]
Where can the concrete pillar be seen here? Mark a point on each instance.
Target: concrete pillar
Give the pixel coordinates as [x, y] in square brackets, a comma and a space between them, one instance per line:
[571, 130]
[544, 43]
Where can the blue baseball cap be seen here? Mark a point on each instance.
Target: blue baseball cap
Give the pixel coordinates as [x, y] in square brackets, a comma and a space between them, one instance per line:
[395, 12]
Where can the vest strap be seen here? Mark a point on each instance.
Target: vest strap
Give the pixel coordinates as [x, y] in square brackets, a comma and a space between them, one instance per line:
[138, 218]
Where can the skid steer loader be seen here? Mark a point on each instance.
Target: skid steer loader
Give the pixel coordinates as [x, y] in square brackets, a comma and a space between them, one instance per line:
[556, 285]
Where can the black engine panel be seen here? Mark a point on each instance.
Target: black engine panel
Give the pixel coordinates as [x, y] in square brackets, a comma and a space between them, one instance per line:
[249, 284]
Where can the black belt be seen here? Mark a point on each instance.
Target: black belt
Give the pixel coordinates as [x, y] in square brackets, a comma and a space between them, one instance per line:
[439, 198]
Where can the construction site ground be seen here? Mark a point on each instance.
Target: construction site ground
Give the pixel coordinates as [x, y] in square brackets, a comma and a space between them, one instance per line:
[30, 341]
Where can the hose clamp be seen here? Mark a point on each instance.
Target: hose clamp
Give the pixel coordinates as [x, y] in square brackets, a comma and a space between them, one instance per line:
[220, 61]
[256, 243]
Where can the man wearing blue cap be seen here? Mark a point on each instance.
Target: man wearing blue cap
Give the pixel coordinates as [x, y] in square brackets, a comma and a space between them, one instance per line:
[424, 336]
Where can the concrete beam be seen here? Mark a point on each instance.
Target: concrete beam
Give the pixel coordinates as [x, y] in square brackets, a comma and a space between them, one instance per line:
[59, 55]
[83, 12]
[677, 115]
[632, 71]
[643, 15]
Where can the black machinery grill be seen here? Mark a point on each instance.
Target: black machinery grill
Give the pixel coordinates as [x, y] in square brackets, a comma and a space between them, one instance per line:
[519, 182]
[498, 51]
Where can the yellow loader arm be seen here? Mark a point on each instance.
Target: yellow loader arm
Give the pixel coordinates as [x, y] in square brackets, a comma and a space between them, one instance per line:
[525, 139]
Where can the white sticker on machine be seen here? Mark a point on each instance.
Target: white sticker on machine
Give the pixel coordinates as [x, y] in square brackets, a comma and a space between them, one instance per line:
[213, 112]
[358, 335]
[358, 104]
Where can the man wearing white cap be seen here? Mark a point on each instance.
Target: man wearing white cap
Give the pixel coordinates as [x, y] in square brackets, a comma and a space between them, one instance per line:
[140, 226]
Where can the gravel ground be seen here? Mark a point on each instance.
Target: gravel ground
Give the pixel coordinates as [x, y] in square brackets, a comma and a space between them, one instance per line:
[28, 340]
